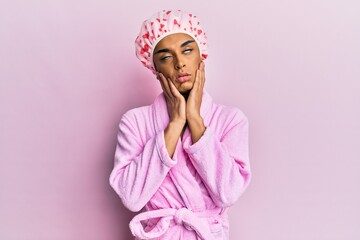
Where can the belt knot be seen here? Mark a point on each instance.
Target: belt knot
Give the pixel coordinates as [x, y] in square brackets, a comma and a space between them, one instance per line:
[179, 215]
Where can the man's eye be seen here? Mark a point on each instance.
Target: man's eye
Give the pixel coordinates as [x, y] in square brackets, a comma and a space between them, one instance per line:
[164, 58]
[188, 50]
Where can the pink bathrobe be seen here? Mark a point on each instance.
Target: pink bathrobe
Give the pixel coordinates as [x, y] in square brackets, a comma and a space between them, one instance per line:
[186, 196]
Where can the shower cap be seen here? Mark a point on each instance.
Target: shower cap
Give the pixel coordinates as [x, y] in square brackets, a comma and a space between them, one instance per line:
[162, 24]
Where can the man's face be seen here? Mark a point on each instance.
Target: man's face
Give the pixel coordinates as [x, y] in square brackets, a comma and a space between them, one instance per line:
[177, 57]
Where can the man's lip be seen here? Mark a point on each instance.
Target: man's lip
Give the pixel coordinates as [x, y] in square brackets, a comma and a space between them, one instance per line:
[183, 77]
[183, 74]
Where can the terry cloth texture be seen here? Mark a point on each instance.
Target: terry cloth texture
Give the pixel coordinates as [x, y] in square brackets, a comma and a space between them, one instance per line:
[186, 196]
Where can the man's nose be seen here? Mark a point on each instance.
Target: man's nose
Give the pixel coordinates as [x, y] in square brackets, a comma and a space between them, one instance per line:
[179, 63]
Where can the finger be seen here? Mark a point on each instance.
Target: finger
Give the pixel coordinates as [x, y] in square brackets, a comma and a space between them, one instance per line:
[157, 76]
[197, 80]
[175, 92]
[202, 74]
[165, 85]
[160, 80]
[162, 84]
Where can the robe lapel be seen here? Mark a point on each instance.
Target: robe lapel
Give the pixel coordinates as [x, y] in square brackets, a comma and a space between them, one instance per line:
[180, 174]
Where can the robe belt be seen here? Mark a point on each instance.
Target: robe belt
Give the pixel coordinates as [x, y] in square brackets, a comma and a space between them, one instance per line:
[196, 221]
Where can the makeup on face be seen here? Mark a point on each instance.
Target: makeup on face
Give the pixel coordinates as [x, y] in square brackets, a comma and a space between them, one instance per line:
[177, 57]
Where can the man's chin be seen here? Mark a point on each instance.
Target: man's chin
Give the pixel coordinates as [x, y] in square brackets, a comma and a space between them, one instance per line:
[185, 93]
[186, 89]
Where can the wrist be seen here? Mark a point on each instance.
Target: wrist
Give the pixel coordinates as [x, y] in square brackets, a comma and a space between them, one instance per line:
[193, 117]
[197, 128]
[177, 124]
[171, 134]
[195, 121]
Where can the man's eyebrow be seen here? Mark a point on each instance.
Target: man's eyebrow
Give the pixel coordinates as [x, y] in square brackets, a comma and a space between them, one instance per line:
[162, 50]
[167, 50]
[186, 43]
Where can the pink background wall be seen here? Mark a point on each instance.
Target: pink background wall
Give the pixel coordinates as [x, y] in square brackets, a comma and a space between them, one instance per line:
[68, 72]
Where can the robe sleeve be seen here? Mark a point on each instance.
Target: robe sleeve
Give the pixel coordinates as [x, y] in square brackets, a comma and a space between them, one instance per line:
[140, 166]
[223, 161]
